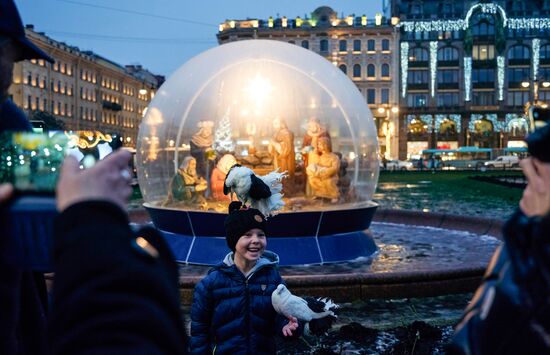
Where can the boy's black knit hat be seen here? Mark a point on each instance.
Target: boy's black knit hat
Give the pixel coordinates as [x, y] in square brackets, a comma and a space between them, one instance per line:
[241, 221]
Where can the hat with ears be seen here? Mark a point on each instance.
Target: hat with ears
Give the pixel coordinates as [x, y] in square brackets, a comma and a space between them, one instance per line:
[12, 27]
[241, 220]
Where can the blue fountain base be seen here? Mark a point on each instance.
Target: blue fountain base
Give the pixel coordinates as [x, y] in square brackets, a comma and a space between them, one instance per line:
[299, 238]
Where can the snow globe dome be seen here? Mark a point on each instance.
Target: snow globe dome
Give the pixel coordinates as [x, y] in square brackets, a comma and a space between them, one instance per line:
[268, 105]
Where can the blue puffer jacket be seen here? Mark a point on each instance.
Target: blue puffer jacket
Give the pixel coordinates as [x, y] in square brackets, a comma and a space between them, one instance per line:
[232, 314]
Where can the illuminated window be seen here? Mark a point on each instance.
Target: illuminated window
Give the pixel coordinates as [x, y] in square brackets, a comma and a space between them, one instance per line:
[483, 52]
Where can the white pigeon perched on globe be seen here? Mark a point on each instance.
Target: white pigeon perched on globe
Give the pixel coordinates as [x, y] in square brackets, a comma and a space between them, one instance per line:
[260, 192]
[288, 305]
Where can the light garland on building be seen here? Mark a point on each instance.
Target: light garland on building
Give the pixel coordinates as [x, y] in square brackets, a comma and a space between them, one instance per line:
[458, 121]
[500, 77]
[460, 25]
[433, 64]
[528, 23]
[473, 119]
[404, 67]
[536, 57]
[491, 117]
[439, 119]
[428, 120]
[511, 118]
[467, 78]
[438, 25]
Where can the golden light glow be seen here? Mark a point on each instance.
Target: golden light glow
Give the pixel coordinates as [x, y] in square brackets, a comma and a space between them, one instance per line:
[334, 22]
[142, 91]
[258, 89]
[88, 139]
[395, 21]
[525, 84]
[284, 21]
[270, 22]
[544, 105]
[395, 109]
[220, 28]
[545, 84]
[299, 21]
[349, 20]
[381, 110]
[363, 20]
[378, 19]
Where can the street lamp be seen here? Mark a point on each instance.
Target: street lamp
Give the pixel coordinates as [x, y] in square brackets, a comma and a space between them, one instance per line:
[540, 81]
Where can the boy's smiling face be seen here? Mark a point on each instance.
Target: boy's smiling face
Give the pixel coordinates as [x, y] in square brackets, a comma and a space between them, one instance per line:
[251, 245]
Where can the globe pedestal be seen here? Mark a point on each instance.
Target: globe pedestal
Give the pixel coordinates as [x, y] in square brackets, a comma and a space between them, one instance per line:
[313, 237]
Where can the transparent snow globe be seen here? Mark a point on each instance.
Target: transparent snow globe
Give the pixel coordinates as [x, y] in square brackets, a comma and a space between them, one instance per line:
[266, 105]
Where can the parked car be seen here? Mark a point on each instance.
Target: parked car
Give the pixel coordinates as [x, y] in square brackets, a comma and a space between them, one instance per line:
[504, 161]
[397, 165]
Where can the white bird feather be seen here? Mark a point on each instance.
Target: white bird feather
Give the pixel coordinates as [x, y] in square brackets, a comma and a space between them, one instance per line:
[288, 305]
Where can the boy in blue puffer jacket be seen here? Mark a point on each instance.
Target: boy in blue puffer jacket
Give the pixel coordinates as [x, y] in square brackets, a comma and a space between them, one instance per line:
[232, 311]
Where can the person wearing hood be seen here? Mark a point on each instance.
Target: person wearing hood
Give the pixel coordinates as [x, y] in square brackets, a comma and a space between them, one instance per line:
[218, 177]
[232, 311]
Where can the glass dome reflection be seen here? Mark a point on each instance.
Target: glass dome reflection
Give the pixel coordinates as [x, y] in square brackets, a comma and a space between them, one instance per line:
[265, 105]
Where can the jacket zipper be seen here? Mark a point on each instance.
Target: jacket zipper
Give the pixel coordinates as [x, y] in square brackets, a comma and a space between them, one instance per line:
[247, 296]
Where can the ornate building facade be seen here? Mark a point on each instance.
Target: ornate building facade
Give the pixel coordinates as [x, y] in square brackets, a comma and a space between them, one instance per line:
[364, 49]
[83, 90]
[467, 70]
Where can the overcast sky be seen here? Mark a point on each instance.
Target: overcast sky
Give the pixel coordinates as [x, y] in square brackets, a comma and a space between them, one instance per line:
[161, 35]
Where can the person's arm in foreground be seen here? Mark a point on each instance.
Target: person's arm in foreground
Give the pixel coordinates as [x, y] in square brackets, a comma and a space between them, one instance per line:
[114, 291]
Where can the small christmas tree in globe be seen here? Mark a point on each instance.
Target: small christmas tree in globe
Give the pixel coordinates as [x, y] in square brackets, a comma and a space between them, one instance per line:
[223, 142]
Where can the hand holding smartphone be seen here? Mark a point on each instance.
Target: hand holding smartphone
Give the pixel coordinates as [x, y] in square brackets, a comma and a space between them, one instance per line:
[32, 163]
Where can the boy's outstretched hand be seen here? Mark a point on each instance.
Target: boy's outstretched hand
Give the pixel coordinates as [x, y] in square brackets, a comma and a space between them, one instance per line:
[290, 327]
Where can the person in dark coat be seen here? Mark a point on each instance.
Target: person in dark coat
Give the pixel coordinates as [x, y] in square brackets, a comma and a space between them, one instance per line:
[510, 311]
[115, 291]
[23, 299]
[232, 311]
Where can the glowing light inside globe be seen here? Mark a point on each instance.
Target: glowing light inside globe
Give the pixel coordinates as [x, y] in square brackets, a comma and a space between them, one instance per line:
[266, 105]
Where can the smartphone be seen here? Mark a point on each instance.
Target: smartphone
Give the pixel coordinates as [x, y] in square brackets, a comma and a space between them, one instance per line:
[31, 161]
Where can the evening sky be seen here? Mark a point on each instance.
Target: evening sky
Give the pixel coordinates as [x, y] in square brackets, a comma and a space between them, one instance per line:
[161, 35]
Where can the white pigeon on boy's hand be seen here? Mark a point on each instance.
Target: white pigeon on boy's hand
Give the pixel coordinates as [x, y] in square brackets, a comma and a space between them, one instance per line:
[289, 305]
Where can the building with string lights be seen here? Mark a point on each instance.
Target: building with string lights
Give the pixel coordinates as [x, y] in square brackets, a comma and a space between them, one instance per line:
[364, 49]
[82, 90]
[467, 70]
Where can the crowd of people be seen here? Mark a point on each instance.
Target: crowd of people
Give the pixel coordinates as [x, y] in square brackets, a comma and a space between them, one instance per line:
[116, 290]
